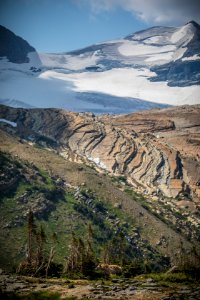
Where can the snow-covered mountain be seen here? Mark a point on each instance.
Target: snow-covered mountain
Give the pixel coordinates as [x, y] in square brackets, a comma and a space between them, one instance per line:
[150, 68]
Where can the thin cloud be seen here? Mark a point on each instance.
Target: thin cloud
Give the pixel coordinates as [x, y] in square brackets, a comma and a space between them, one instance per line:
[151, 11]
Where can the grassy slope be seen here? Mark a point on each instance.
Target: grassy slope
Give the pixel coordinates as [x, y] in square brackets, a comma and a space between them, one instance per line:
[64, 217]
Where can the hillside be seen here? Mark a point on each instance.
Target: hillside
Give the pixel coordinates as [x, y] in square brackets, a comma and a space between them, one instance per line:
[68, 186]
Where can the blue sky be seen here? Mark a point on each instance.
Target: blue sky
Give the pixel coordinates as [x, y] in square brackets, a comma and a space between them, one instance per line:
[64, 25]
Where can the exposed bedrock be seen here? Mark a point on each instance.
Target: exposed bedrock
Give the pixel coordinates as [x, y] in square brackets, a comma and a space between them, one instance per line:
[157, 151]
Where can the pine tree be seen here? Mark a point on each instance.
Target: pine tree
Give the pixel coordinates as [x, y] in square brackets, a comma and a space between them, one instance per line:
[40, 255]
[31, 234]
[114, 251]
[81, 255]
[72, 260]
[81, 259]
[90, 250]
[90, 261]
[52, 253]
[27, 266]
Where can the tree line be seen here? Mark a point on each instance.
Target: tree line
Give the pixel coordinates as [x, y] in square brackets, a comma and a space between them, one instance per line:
[82, 260]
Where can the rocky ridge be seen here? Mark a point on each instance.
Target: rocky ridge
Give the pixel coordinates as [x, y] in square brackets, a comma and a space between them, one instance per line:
[157, 150]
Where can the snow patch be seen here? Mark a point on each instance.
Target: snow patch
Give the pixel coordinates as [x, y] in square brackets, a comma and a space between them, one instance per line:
[194, 57]
[13, 124]
[129, 48]
[34, 61]
[179, 53]
[167, 56]
[98, 162]
[153, 39]
[69, 62]
[183, 34]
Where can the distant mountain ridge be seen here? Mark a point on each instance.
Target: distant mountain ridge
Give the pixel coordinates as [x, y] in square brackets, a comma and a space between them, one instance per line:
[151, 68]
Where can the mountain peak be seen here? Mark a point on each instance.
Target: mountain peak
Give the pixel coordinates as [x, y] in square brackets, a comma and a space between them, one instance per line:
[14, 47]
[195, 24]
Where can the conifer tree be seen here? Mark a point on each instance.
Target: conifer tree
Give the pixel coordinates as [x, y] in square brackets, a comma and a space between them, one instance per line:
[114, 251]
[40, 255]
[90, 250]
[90, 261]
[81, 258]
[31, 233]
[72, 260]
[51, 254]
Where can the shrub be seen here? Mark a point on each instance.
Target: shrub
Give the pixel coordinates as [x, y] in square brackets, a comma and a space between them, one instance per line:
[132, 270]
[180, 277]
[32, 296]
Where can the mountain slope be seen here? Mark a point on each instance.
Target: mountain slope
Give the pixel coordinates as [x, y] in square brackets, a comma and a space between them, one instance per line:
[159, 65]
[155, 153]
[65, 195]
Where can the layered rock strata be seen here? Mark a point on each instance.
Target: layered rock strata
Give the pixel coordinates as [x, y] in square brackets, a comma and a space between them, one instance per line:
[157, 150]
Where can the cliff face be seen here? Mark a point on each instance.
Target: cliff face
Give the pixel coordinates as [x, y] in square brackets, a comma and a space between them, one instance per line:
[157, 150]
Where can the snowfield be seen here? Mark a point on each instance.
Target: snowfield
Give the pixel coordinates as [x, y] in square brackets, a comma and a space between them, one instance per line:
[128, 82]
[56, 89]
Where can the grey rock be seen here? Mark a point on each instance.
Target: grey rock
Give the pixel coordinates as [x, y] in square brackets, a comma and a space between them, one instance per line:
[150, 280]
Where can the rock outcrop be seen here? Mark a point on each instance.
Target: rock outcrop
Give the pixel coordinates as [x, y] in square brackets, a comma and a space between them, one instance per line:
[157, 150]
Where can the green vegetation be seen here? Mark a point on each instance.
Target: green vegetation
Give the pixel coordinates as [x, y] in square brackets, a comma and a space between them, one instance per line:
[61, 214]
[35, 296]
[61, 219]
[138, 197]
[82, 261]
[168, 279]
[119, 179]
